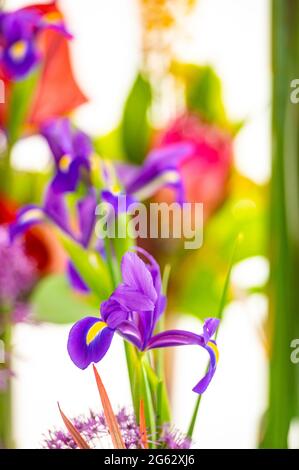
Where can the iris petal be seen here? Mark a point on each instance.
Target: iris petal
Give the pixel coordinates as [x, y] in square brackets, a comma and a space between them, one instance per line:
[136, 275]
[89, 340]
[184, 338]
[131, 299]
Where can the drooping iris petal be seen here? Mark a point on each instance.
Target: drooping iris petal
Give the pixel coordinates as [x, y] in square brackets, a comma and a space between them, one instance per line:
[88, 341]
[27, 217]
[55, 208]
[86, 212]
[136, 275]
[119, 202]
[209, 328]
[129, 331]
[184, 338]
[158, 162]
[75, 279]
[204, 382]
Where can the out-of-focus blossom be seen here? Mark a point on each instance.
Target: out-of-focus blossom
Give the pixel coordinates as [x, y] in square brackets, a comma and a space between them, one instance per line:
[71, 150]
[132, 311]
[19, 32]
[55, 210]
[95, 432]
[5, 375]
[161, 169]
[40, 243]
[205, 172]
[17, 271]
[56, 92]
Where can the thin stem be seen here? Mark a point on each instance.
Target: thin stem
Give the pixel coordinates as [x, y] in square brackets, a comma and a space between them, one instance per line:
[6, 394]
[222, 303]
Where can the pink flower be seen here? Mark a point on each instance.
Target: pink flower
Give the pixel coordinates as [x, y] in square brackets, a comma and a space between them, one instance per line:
[206, 172]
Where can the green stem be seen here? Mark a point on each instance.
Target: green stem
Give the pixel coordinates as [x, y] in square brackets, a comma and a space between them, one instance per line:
[284, 227]
[6, 395]
[222, 304]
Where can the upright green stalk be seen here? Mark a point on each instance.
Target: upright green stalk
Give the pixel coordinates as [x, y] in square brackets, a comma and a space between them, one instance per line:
[284, 226]
[5, 394]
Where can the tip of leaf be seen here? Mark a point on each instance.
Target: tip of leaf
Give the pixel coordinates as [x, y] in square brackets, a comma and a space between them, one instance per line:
[110, 417]
[80, 441]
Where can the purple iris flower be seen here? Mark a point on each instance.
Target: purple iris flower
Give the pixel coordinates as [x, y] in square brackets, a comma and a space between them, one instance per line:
[160, 169]
[55, 210]
[18, 40]
[71, 150]
[132, 311]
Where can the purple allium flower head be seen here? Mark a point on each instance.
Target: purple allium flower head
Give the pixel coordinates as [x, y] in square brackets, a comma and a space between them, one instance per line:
[17, 271]
[94, 430]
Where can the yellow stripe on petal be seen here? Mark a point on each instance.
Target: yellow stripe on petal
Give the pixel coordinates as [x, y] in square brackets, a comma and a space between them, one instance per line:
[94, 331]
[215, 349]
[18, 50]
[33, 214]
[64, 163]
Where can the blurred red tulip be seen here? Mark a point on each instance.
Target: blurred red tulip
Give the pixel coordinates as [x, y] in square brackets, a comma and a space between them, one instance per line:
[206, 173]
[57, 92]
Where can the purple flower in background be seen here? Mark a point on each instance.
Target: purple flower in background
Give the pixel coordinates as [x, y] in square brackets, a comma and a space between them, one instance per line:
[18, 39]
[94, 430]
[132, 311]
[71, 150]
[17, 271]
[55, 209]
[160, 169]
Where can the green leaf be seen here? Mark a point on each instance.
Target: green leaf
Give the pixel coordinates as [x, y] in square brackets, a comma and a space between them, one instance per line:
[203, 92]
[110, 145]
[135, 126]
[22, 92]
[91, 266]
[53, 301]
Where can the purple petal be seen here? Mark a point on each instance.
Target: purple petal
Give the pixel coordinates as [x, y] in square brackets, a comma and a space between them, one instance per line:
[55, 208]
[27, 217]
[184, 338]
[131, 333]
[75, 279]
[81, 351]
[209, 328]
[82, 145]
[58, 133]
[132, 299]
[158, 162]
[204, 382]
[87, 218]
[175, 338]
[112, 313]
[136, 275]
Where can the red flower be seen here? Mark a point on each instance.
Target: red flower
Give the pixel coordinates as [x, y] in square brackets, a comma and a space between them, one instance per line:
[206, 173]
[40, 242]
